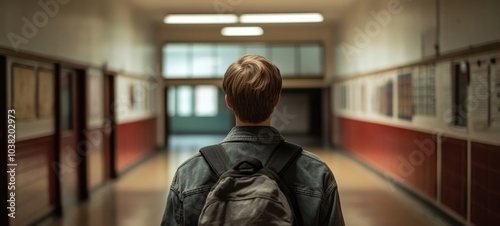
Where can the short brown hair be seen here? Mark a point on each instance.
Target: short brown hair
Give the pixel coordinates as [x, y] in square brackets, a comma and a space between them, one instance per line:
[253, 86]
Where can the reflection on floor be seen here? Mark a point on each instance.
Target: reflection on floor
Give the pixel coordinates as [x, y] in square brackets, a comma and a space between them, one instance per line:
[138, 197]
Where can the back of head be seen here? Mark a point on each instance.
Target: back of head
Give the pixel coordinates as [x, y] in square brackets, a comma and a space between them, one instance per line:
[253, 86]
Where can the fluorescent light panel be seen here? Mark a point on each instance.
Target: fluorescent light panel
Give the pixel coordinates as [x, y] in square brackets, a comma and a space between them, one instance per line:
[282, 18]
[200, 19]
[242, 31]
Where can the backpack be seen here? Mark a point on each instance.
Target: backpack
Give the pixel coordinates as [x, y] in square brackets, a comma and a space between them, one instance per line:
[250, 196]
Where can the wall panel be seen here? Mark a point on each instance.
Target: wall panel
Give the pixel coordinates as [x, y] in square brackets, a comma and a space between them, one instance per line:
[454, 175]
[33, 185]
[485, 184]
[134, 141]
[408, 155]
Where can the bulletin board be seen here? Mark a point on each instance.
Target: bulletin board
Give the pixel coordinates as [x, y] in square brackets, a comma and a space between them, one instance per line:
[23, 91]
[45, 93]
[495, 93]
[405, 105]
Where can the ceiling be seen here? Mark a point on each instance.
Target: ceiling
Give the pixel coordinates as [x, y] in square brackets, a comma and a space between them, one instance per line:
[157, 9]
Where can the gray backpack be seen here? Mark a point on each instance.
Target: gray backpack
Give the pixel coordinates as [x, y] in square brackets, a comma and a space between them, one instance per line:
[249, 193]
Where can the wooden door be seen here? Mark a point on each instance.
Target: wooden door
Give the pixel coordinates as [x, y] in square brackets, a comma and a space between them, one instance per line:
[69, 158]
[73, 146]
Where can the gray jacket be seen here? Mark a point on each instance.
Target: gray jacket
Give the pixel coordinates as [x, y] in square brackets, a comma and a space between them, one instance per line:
[309, 179]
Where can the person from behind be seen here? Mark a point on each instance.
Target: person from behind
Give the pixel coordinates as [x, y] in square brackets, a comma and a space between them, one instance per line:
[252, 86]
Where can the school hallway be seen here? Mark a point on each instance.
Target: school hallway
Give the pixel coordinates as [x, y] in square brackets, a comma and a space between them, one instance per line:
[101, 101]
[138, 197]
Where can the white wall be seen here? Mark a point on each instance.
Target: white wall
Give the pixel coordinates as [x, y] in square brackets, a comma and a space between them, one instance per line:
[90, 31]
[394, 36]
[466, 23]
[409, 34]
[364, 43]
[134, 99]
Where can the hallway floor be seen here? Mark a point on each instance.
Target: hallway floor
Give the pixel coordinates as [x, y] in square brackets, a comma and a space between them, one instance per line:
[138, 197]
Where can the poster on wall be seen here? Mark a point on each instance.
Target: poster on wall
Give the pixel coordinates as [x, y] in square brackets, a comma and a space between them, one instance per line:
[375, 99]
[387, 99]
[343, 97]
[23, 91]
[424, 91]
[405, 105]
[45, 94]
[140, 96]
[495, 93]
[131, 96]
[479, 95]
[363, 98]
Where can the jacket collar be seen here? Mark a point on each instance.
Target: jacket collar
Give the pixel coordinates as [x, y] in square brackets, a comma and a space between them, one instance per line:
[261, 134]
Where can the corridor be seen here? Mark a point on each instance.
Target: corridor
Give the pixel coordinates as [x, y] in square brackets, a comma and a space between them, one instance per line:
[138, 198]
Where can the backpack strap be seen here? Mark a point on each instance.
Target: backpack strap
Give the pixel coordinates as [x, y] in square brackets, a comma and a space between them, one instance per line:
[283, 156]
[217, 158]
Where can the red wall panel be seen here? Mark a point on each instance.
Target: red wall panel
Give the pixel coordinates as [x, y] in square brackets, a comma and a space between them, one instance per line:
[34, 185]
[408, 155]
[485, 184]
[134, 141]
[454, 175]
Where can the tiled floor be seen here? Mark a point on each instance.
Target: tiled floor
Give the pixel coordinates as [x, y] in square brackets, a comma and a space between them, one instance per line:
[138, 198]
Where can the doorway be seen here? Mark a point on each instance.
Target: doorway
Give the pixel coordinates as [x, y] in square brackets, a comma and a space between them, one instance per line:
[72, 151]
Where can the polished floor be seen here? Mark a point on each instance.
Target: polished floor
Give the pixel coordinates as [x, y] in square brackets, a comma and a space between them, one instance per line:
[138, 197]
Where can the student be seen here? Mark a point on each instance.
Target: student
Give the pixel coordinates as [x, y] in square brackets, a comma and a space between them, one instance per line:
[253, 87]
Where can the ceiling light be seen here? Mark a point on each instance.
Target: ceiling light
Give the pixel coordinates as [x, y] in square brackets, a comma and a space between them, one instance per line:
[200, 19]
[282, 18]
[242, 31]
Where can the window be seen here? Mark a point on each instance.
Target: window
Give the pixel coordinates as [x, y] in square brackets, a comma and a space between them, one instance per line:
[206, 103]
[228, 53]
[188, 101]
[171, 101]
[311, 62]
[259, 49]
[177, 63]
[204, 61]
[184, 101]
[284, 58]
[211, 60]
